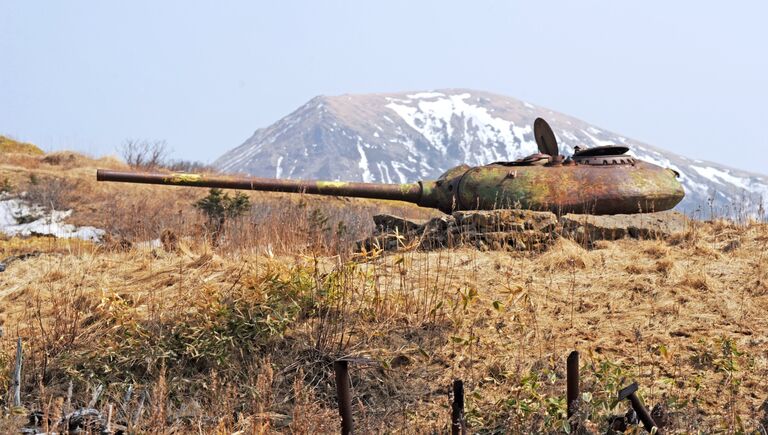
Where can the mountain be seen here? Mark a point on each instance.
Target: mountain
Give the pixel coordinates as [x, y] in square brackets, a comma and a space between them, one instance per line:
[396, 138]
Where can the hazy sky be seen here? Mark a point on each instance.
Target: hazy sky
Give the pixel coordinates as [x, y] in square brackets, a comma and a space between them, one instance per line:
[688, 76]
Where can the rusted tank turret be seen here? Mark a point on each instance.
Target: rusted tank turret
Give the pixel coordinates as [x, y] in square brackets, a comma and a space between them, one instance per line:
[601, 180]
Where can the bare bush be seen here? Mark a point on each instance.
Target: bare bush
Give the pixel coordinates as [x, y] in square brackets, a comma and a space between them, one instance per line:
[144, 154]
[188, 166]
[50, 192]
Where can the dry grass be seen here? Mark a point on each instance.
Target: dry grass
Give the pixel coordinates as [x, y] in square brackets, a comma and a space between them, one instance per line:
[697, 281]
[8, 145]
[566, 255]
[242, 337]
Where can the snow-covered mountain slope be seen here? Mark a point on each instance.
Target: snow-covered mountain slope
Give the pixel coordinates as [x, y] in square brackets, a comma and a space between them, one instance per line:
[394, 138]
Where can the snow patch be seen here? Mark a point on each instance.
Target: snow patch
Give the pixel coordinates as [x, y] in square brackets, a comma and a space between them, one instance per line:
[397, 166]
[598, 142]
[363, 164]
[569, 135]
[278, 169]
[19, 218]
[721, 176]
[434, 120]
[419, 95]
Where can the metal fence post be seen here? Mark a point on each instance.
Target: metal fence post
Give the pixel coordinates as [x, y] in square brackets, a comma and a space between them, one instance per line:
[572, 383]
[341, 367]
[458, 425]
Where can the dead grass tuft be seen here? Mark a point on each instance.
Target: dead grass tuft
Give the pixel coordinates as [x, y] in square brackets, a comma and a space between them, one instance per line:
[601, 244]
[697, 280]
[656, 250]
[760, 287]
[566, 255]
[730, 246]
[683, 238]
[702, 250]
[664, 266]
[724, 225]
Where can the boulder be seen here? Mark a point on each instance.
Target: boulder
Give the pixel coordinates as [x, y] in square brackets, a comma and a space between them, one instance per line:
[588, 228]
[507, 220]
[515, 229]
[495, 229]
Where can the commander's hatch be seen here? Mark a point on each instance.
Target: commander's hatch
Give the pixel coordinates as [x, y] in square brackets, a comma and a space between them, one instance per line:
[549, 152]
[603, 155]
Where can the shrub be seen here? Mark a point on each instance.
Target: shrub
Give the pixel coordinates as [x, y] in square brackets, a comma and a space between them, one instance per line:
[218, 207]
[51, 192]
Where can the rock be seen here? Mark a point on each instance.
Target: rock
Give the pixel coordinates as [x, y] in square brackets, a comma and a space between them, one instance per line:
[484, 230]
[388, 222]
[506, 220]
[21, 257]
[380, 242]
[660, 415]
[617, 423]
[612, 227]
[399, 361]
[441, 223]
[85, 420]
[35, 419]
[516, 229]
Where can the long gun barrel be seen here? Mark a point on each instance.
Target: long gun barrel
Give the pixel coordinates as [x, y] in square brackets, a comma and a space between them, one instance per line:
[410, 192]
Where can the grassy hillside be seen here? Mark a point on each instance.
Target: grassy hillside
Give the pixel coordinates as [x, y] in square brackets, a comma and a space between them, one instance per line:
[242, 335]
[8, 145]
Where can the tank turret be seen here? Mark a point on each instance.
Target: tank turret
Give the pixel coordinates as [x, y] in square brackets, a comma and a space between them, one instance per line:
[600, 180]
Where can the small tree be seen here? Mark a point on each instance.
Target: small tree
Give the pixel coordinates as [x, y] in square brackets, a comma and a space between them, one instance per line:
[218, 207]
